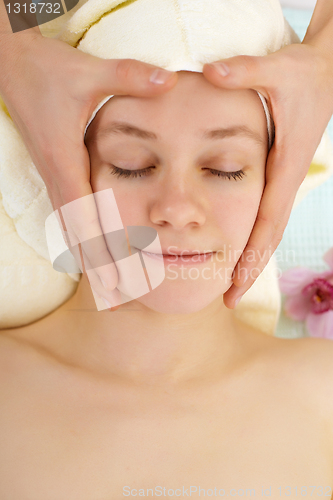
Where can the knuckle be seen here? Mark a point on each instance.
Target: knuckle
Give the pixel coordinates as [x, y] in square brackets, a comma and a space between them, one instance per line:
[99, 257]
[262, 217]
[84, 228]
[83, 78]
[104, 256]
[286, 60]
[251, 247]
[276, 222]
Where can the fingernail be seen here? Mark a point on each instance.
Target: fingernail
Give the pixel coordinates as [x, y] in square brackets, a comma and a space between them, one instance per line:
[221, 68]
[160, 76]
[106, 286]
[107, 303]
[237, 301]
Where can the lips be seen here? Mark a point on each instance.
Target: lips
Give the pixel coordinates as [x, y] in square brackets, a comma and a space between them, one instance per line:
[178, 258]
[183, 254]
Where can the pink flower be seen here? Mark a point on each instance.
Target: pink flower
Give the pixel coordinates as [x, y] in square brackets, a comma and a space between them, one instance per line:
[310, 297]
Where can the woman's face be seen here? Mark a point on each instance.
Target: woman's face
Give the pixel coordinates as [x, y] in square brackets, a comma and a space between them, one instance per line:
[202, 154]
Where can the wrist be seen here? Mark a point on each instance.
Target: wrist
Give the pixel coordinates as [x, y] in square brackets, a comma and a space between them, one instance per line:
[321, 44]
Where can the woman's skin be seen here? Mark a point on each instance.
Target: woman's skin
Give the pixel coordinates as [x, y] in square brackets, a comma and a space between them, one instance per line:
[170, 389]
[297, 82]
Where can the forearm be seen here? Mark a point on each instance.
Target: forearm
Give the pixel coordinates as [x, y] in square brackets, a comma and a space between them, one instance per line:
[320, 28]
[8, 39]
[11, 46]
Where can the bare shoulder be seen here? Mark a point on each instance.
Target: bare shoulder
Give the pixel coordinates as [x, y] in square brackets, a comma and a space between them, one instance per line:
[309, 365]
[15, 354]
[311, 361]
[313, 358]
[19, 354]
[317, 357]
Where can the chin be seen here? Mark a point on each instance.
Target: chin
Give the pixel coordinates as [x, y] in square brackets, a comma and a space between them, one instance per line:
[183, 298]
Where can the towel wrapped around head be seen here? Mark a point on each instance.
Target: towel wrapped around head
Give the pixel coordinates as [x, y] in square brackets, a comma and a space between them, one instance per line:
[173, 34]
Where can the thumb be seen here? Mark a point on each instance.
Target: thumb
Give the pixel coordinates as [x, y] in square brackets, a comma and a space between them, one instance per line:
[132, 77]
[242, 72]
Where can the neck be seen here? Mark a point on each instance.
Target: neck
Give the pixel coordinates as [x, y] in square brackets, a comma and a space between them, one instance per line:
[142, 346]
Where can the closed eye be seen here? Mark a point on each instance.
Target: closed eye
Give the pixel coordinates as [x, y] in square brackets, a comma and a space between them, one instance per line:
[143, 172]
[121, 172]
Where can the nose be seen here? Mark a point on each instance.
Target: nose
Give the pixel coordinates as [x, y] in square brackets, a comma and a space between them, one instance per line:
[179, 204]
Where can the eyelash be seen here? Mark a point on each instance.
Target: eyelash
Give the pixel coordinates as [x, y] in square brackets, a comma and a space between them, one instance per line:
[119, 172]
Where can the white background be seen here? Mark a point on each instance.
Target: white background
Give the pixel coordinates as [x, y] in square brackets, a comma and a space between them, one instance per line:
[299, 4]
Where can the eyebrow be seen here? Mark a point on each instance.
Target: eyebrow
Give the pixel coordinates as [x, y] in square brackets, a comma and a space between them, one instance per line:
[219, 133]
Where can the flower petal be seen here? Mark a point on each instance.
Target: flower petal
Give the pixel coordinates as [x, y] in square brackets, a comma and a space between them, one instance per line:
[297, 307]
[320, 325]
[328, 257]
[294, 280]
[320, 293]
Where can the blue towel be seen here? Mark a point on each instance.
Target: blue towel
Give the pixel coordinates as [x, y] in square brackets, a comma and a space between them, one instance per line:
[309, 232]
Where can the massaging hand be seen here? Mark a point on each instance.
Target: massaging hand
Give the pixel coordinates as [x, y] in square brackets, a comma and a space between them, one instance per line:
[298, 83]
[51, 90]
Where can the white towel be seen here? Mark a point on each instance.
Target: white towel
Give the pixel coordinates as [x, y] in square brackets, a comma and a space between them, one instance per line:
[176, 35]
